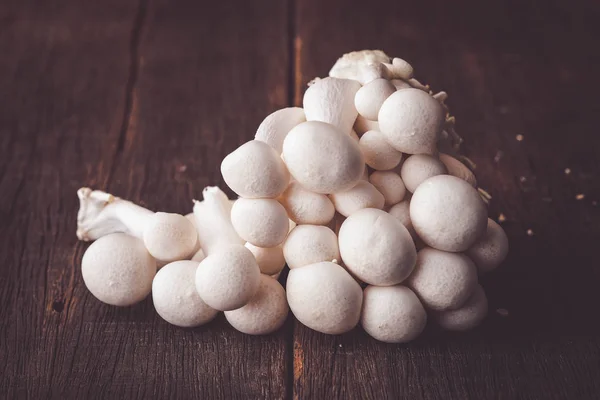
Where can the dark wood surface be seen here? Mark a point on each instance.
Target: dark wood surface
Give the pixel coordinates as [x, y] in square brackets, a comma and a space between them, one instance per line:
[145, 98]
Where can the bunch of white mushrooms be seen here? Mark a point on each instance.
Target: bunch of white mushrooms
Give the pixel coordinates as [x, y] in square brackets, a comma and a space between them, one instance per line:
[360, 192]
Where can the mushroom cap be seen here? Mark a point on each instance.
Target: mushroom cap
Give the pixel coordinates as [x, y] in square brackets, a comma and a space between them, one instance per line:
[442, 280]
[448, 213]
[362, 125]
[198, 256]
[331, 100]
[401, 211]
[376, 247]
[390, 185]
[192, 218]
[369, 98]
[468, 316]
[276, 126]
[170, 237]
[490, 249]
[228, 279]
[322, 158]
[356, 65]
[418, 168]
[255, 170]
[265, 313]
[118, 269]
[324, 297]
[270, 260]
[400, 84]
[175, 297]
[378, 153]
[262, 222]
[309, 244]
[306, 207]
[458, 169]
[392, 314]
[362, 195]
[412, 120]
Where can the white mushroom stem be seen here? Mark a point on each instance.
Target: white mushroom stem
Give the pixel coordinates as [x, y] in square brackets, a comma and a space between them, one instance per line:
[101, 214]
[213, 221]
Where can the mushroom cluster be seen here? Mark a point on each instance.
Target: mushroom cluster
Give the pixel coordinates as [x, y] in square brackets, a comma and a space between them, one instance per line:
[360, 192]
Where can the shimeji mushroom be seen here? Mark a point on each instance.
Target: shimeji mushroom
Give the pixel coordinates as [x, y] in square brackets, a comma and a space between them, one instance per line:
[331, 100]
[392, 314]
[490, 249]
[468, 316]
[276, 126]
[362, 66]
[322, 158]
[362, 125]
[362, 195]
[324, 297]
[369, 98]
[376, 247]
[401, 211]
[306, 207]
[118, 269]
[270, 260]
[399, 69]
[264, 313]
[418, 168]
[390, 185]
[255, 170]
[412, 120]
[175, 297]
[168, 237]
[229, 275]
[309, 244]
[400, 84]
[458, 169]
[448, 213]
[378, 153]
[262, 222]
[442, 280]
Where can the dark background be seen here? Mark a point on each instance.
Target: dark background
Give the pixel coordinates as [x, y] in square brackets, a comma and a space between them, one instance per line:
[144, 99]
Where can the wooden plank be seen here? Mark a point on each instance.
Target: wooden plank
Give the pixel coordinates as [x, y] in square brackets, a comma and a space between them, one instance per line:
[509, 69]
[143, 99]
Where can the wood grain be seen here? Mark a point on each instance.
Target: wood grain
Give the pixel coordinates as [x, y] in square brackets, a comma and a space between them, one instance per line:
[143, 99]
[510, 68]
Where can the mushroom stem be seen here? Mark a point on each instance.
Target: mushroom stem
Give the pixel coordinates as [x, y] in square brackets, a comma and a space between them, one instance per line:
[213, 221]
[101, 213]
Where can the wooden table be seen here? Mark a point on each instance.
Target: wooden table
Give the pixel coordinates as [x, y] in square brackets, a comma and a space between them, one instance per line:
[144, 99]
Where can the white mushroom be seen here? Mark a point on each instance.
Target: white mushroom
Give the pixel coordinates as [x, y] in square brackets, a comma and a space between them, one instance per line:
[331, 100]
[490, 249]
[468, 316]
[412, 120]
[168, 237]
[399, 69]
[458, 169]
[213, 221]
[324, 297]
[362, 66]
[418, 168]
[229, 278]
[270, 260]
[306, 207]
[379, 154]
[362, 125]
[265, 313]
[362, 195]
[190, 217]
[276, 126]
[369, 98]
[392, 314]
[376, 247]
[401, 211]
[442, 280]
[262, 222]
[448, 213]
[322, 158]
[255, 170]
[175, 297]
[118, 269]
[390, 185]
[309, 244]
[400, 84]
[198, 256]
